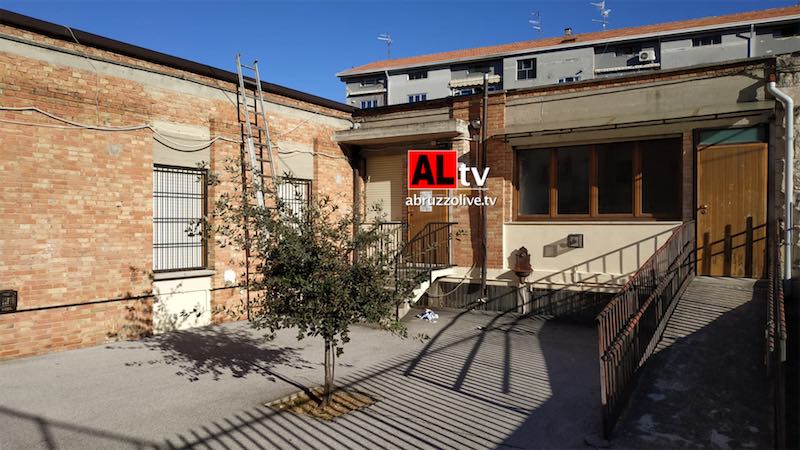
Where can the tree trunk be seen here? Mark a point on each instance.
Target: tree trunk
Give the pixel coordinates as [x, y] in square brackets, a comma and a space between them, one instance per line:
[327, 387]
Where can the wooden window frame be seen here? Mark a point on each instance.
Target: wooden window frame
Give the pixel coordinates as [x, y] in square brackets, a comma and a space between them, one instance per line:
[594, 193]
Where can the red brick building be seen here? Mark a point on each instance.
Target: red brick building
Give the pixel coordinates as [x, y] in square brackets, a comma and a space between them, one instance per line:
[590, 177]
[77, 203]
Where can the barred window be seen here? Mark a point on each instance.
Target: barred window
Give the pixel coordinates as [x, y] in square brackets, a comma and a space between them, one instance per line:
[179, 205]
[295, 193]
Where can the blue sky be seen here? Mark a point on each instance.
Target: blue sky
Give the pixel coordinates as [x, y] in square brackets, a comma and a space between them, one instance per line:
[302, 44]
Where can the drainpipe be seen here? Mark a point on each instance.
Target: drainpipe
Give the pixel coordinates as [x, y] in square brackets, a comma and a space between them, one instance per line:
[386, 73]
[483, 164]
[751, 43]
[788, 107]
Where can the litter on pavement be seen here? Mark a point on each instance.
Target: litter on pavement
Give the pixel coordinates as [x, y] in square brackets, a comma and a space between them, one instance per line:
[428, 315]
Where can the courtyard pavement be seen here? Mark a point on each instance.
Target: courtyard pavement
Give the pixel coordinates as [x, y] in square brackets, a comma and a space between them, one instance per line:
[479, 381]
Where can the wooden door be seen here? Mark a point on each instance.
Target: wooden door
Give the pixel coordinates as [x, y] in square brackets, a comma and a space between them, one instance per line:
[732, 210]
[430, 248]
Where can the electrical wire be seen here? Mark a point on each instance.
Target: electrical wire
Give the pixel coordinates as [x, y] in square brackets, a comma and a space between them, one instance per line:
[178, 146]
[96, 75]
[162, 138]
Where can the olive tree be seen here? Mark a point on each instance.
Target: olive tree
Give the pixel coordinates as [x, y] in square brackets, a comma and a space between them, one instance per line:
[318, 270]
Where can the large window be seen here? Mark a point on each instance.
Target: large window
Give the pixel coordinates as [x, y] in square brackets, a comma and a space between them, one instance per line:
[179, 206]
[615, 178]
[526, 69]
[572, 180]
[639, 179]
[369, 104]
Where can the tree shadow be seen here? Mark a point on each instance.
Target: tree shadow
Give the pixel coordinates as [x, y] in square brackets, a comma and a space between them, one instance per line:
[219, 351]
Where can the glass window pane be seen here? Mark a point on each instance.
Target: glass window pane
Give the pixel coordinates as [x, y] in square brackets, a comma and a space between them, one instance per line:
[534, 182]
[573, 180]
[732, 136]
[661, 177]
[615, 178]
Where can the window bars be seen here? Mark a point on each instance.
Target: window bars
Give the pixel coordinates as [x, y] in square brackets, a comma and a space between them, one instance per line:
[295, 194]
[179, 206]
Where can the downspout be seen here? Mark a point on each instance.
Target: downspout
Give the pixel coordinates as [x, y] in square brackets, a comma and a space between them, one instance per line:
[386, 73]
[483, 164]
[751, 43]
[788, 107]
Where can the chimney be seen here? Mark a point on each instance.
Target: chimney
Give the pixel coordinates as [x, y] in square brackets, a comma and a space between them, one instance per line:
[568, 31]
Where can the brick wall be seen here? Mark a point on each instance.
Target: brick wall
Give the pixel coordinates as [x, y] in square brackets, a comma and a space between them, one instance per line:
[76, 205]
[500, 160]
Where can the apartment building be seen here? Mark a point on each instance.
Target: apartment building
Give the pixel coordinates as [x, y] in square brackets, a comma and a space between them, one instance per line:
[572, 58]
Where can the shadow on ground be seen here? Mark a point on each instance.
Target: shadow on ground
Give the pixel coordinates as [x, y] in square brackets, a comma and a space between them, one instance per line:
[481, 381]
[706, 386]
[219, 351]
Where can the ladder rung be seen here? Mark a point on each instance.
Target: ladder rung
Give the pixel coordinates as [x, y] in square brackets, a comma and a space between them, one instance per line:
[256, 127]
[260, 144]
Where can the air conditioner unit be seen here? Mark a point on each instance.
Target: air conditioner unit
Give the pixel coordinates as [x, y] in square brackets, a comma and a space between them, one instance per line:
[647, 56]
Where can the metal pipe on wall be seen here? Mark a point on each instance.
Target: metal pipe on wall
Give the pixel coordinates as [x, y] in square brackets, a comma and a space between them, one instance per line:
[483, 164]
[788, 107]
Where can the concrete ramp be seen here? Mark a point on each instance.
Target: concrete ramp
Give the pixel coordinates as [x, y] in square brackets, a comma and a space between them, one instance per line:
[706, 386]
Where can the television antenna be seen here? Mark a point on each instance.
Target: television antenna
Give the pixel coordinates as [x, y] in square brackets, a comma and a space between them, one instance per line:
[536, 21]
[604, 12]
[385, 37]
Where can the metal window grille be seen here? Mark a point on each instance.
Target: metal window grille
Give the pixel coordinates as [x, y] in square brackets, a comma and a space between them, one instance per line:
[295, 193]
[179, 206]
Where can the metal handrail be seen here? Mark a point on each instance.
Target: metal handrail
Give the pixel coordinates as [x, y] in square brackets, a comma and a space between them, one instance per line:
[423, 253]
[632, 323]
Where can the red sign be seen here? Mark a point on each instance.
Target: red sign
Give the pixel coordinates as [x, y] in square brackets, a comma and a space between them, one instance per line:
[432, 169]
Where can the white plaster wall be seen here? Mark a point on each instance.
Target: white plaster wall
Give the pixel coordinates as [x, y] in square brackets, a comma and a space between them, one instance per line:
[612, 250]
[182, 303]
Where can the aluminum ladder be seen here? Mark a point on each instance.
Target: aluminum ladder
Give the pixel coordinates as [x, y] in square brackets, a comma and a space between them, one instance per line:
[261, 138]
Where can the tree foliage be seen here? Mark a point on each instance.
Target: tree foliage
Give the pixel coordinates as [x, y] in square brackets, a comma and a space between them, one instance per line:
[318, 270]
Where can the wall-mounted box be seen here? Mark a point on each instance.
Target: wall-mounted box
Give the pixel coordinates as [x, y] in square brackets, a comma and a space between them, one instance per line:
[8, 301]
[575, 240]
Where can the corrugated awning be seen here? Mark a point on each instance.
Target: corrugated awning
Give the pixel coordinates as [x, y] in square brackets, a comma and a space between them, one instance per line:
[473, 81]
